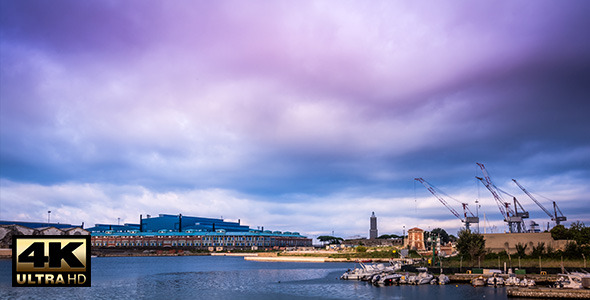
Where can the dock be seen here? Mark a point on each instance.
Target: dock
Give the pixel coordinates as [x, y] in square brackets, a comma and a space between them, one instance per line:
[286, 258]
[548, 293]
[539, 279]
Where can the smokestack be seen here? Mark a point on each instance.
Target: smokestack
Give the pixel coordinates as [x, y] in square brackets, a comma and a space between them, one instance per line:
[140, 223]
[214, 227]
[238, 221]
[180, 223]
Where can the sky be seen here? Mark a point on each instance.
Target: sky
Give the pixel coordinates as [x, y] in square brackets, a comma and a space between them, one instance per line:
[293, 115]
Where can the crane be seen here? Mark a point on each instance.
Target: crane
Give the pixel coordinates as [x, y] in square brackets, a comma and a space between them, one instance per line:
[554, 216]
[523, 213]
[514, 221]
[467, 220]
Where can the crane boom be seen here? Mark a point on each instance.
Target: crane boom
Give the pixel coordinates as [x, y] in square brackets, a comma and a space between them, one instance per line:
[441, 199]
[493, 189]
[499, 202]
[554, 216]
[514, 219]
[534, 200]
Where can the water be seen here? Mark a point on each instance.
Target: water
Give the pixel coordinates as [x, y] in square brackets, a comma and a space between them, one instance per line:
[220, 277]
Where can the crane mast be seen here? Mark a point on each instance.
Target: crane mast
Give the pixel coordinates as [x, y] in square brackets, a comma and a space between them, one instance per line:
[515, 223]
[554, 217]
[467, 220]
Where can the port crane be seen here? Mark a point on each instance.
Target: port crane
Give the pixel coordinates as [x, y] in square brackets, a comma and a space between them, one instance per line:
[523, 213]
[554, 216]
[514, 220]
[467, 220]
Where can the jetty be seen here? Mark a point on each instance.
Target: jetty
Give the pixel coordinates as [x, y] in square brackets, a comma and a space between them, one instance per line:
[548, 293]
[539, 279]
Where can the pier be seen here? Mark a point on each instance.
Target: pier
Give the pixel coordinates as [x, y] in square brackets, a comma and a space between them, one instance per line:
[548, 293]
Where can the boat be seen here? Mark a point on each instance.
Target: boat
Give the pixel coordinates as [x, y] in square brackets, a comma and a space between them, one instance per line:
[495, 280]
[478, 281]
[571, 280]
[443, 279]
[389, 279]
[512, 281]
[422, 278]
[367, 272]
[404, 279]
[527, 283]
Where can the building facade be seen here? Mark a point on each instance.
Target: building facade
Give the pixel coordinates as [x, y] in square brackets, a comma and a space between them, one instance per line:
[177, 223]
[497, 242]
[416, 239]
[8, 231]
[188, 232]
[199, 240]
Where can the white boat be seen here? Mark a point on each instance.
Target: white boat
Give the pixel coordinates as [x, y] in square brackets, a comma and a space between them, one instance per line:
[389, 279]
[405, 278]
[527, 283]
[495, 280]
[512, 281]
[367, 272]
[443, 279]
[570, 280]
[422, 278]
[478, 281]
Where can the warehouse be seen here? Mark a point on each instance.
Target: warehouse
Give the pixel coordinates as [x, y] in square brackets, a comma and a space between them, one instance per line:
[193, 233]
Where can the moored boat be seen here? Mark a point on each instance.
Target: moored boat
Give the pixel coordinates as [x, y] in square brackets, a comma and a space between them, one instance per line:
[478, 281]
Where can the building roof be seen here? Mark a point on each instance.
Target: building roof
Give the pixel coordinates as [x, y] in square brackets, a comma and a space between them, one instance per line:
[37, 225]
[415, 229]
[255, 233]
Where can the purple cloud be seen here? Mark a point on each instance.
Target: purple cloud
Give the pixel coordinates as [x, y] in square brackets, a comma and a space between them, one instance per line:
[271, 100]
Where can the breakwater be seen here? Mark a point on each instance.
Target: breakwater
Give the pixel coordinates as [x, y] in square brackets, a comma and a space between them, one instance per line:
[548, 293]
[539, 279]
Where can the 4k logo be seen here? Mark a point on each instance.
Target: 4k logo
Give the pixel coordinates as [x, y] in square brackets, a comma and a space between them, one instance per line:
[51, 260]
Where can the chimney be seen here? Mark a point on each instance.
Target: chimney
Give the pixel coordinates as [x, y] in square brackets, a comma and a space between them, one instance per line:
[238, 221]
[82, 225]
[140, 223]
[213, 227]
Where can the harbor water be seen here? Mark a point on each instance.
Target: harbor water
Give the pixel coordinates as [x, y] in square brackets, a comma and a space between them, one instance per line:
[225, 277]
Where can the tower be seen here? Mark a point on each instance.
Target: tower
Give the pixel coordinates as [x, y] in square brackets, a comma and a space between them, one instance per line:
[373, 230]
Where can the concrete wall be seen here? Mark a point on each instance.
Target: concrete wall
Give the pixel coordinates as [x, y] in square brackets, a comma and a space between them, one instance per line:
[497, 242]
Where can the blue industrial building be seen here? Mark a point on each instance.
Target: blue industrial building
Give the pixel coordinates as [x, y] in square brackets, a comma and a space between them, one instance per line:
[36, 225]
[178, 223]
[191, 232]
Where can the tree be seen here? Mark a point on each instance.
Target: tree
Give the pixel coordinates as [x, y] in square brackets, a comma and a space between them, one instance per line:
[389, 236]
[559, 232]
[471, 245]
[577, 232]
[580, 233]
[444, 236]
[571, 250]
[330, 239]
[521, 249]
[452, 238]
[538, 250]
